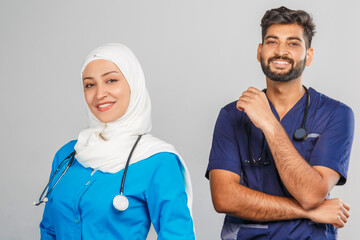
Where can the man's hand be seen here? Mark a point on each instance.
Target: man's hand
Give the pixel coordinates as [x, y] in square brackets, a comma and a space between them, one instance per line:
[332, 211]
[255, 104]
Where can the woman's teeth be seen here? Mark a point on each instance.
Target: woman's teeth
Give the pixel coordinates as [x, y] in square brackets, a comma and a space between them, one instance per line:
[105, 105]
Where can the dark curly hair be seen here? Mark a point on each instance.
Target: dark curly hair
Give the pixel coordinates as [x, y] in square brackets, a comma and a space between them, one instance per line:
[283, 15]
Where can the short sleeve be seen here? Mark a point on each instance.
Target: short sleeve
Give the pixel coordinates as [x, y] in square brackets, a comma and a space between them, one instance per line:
[333, 147]
[224, 152]
[167, 200]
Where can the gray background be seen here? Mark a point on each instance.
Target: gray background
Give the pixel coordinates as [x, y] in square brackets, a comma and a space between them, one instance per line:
[197, 56]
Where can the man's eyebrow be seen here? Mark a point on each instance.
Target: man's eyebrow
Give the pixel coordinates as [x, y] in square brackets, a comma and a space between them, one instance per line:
[289, 38]
[295, 38]
[271, 36]
[101, 75]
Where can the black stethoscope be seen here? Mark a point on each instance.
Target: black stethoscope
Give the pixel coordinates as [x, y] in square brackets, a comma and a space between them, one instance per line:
[299, 135]
[120, 201]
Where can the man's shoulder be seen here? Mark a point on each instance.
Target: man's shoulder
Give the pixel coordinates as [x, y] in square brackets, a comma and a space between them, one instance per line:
[327, 110]
[328, 104]
[230, 107]
[230, 111]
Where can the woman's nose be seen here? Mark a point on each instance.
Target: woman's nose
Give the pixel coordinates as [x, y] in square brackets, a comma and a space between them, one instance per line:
[101, 91]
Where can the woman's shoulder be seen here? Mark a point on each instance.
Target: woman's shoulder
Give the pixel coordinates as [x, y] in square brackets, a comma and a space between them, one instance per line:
[69, 146]
[65, 150]
[163, 166]
[164, 158]
[161, 161]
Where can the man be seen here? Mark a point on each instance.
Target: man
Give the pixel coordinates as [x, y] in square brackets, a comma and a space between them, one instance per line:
[277, 153]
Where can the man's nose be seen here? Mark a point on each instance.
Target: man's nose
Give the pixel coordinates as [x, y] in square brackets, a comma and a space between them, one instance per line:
[282, 49]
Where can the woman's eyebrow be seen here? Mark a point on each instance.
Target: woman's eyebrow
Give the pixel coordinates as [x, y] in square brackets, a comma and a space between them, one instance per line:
[101, 75]
[109, 73]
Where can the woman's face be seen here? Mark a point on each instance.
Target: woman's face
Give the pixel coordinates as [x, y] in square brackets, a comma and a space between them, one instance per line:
[106, 90]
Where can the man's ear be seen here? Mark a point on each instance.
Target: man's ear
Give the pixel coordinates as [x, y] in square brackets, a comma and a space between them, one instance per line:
[259, 51]
[309, 56]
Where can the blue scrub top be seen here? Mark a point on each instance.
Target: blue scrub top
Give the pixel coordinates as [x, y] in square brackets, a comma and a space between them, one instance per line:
[80, 206]
[330, 125]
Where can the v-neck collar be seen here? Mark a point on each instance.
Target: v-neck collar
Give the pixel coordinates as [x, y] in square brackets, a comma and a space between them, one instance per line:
[297, 105]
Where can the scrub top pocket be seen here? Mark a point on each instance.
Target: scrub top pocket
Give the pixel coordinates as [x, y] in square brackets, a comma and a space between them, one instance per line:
[254, 232]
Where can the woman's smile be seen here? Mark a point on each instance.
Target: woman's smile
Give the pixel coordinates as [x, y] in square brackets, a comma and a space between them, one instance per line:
[102, 107]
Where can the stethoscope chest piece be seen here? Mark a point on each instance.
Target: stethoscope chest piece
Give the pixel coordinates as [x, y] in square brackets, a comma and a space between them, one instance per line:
[120, 202]
[300, 134]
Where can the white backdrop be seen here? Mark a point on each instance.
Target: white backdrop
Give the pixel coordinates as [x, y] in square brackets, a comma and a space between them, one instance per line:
[197, 56]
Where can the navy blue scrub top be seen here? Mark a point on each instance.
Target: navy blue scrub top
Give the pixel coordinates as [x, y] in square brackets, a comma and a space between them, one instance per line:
[330, 125]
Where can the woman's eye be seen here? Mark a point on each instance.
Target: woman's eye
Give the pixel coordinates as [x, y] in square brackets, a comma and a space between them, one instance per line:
[89, 85]
[111, 80]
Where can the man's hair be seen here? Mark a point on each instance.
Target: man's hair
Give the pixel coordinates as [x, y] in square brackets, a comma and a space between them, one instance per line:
[283, 15]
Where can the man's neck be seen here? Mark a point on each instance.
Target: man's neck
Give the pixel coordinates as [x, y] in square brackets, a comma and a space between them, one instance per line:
[284, 95]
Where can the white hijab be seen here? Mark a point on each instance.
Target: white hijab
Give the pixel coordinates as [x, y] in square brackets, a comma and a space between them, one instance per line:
[110, 155]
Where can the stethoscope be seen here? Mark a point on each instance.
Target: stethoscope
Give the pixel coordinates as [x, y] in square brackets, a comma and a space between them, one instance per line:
[299, 135]
[120, 201]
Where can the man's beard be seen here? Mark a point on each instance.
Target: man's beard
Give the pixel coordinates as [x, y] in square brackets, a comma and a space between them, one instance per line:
[293, 73]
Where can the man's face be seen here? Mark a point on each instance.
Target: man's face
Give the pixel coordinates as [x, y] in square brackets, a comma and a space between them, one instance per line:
[283, 55]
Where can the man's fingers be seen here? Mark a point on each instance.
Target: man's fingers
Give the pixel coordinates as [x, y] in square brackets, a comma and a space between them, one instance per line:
[254, 90]
[245, 98]
[345, 205]
[345, 212]
[249, 94]
[240, 105]
[338, 223]
[242, 102]
[343, 217]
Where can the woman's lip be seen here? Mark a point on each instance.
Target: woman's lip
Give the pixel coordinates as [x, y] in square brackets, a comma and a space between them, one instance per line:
[102, 107]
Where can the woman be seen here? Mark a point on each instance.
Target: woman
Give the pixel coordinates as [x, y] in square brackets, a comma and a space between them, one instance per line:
[87, 203]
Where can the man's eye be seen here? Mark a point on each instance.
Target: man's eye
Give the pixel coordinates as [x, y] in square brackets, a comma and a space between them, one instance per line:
[294, 44]
[270, 42]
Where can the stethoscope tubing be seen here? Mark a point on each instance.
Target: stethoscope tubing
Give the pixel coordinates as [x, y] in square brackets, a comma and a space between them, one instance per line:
[46, 189]
[127, 165]
[302, 130]
[72, 155]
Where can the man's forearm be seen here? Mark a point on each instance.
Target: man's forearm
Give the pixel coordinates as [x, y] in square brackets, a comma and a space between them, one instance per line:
[234, 199]
[243, 202]
[304, 183]
[258, 206]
